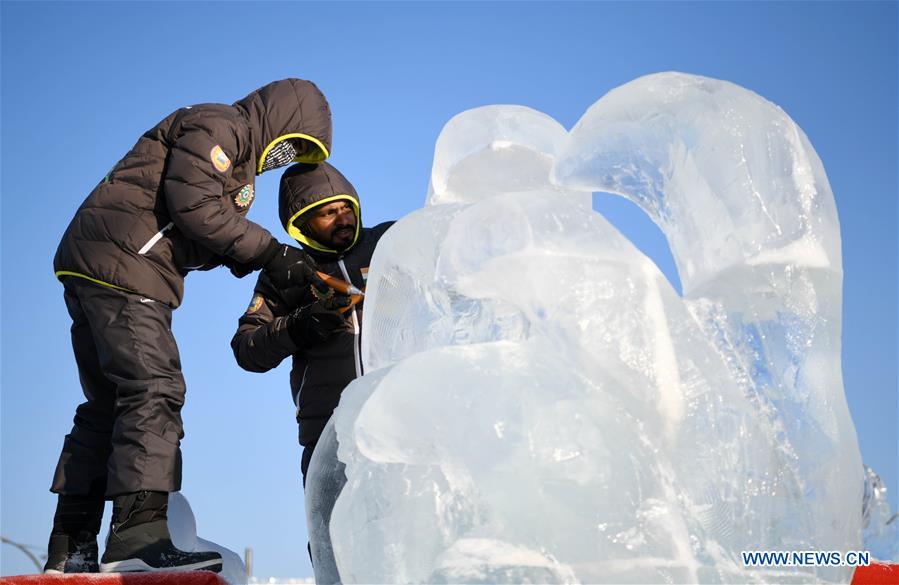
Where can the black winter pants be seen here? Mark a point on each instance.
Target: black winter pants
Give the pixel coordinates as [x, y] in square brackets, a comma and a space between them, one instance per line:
[306, 459]
[126, 436]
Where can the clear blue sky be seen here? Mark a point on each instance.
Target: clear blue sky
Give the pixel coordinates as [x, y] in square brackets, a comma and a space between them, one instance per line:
[81, 82]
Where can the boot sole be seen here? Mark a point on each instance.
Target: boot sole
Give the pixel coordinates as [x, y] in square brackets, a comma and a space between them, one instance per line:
[136, 565]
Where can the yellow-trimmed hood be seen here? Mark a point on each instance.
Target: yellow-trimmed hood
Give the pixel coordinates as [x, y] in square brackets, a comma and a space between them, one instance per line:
[290, 108]
[304, 187]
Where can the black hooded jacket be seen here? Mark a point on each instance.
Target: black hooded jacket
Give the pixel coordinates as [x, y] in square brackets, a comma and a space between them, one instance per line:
[321, 372]
[178, 200]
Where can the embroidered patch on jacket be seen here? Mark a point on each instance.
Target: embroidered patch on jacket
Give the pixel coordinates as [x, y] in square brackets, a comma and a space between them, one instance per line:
[219, 159]
[245, 196]
[255, 304]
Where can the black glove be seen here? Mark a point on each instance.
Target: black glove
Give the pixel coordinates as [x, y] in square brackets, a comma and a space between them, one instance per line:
[317, 322]
[237, 269]
[241, 269]
[330, 297]
[290, 266]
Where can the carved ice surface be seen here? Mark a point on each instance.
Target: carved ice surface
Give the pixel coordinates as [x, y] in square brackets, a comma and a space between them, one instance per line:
[542, 406]
[494, 149]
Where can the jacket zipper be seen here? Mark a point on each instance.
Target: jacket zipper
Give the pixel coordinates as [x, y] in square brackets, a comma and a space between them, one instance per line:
[152, 241]
[356, 336]
[302, 383]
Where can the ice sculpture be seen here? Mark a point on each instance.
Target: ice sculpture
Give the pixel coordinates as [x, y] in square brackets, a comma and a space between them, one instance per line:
[542, 406]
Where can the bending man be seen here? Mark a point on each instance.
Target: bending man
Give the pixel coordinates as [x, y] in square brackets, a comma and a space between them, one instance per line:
[176, 202]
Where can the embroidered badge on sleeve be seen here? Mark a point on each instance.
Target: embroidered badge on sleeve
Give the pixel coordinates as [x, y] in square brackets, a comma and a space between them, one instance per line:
[245, 196]
[219, 159]
[255, 304]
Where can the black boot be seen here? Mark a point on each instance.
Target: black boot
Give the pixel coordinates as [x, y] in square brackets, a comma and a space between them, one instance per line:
[73, 541]
[139, 539]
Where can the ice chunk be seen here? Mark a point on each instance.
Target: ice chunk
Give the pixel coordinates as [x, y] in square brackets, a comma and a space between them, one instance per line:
[480, 153]
[494, 149]
[742, 197]
[325, 480]
[542, 406]
[880, 528]
[182, 523]
[729, 178]
[183, 529]
[411, 310]
[478, 560]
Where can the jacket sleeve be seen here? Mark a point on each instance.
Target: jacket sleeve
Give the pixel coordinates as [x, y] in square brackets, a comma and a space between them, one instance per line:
[199, 165]
[262, 340]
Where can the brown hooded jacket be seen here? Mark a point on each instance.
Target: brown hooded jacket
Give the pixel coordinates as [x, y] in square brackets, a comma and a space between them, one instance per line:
[178, 200]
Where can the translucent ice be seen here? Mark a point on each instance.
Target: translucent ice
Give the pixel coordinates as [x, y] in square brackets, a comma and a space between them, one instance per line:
[542, 406]
[494, 149]
[326, 482]
[880, 526]
[183, 529]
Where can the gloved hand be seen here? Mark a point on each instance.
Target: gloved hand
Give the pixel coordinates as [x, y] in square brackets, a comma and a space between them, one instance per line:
[291, 266]
[318, 321]
[326, 293]
[237, 269]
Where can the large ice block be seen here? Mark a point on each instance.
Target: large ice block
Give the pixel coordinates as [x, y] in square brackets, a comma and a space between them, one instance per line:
[541, 405]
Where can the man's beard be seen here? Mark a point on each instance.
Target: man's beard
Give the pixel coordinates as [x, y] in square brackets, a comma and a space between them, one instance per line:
[342, 237]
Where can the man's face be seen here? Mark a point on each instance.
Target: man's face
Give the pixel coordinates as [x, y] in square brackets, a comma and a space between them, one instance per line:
[333, 225]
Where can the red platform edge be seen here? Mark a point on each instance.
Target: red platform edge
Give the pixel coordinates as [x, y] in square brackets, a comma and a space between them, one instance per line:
[172, 578]
[873, 574]
[877, 574]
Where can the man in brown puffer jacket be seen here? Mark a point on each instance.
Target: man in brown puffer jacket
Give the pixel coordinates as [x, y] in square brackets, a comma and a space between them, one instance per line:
[176, 202]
